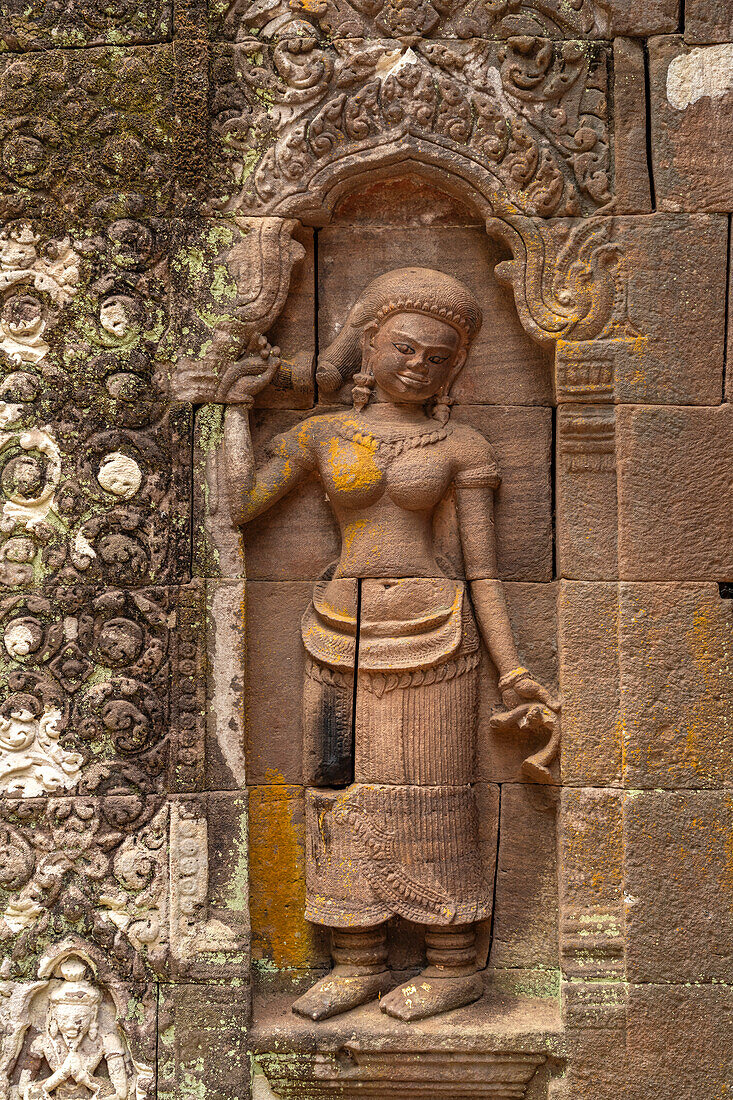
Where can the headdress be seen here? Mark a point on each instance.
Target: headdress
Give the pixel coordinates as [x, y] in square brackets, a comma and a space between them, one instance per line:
[403, 290]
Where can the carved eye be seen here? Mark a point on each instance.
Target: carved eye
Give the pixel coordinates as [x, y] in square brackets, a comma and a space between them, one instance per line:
[438, 358]
[404, 349]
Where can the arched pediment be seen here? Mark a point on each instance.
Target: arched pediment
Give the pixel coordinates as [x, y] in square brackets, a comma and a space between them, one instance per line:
[522, 122]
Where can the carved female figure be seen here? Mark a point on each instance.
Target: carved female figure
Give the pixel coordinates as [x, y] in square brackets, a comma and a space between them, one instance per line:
[391, 818]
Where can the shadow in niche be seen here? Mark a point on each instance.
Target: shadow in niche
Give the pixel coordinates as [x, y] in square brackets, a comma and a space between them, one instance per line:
[506, 393]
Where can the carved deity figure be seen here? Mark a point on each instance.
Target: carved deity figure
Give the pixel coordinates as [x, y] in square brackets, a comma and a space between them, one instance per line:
[391, 813]
[72, 1046]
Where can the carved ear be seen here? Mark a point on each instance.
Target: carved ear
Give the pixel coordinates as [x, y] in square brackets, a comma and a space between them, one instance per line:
[53, 1027]
[94, 1030]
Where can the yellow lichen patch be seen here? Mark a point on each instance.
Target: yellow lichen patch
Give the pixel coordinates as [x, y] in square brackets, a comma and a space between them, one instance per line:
[280, 934]
[708, 725]
[352, 468]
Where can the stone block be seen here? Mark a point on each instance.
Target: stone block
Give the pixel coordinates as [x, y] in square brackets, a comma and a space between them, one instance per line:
[677, 881]
[674, 493]
[533, 615]
[708, 21]
[676, 642]
[201, 1048]
[505, 366]
[355, 81]
[227, 688]
[209, 914]
[109, 680]
[590, 683]
[692, 124]
[586, 492]
[676, 293]
[298, 538]
[276, 549]
[624, 17]
[591, 853]
[273, 682]
[222, 271]
[35, 26]
[679, 1042]
[631, 170]
[525, 927]
[282, 939]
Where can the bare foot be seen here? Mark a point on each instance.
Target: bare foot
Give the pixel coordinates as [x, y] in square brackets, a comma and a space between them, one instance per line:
[339, 992]
[427, 996]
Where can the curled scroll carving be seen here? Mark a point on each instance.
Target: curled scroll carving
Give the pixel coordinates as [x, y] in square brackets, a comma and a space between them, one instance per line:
[250, 262]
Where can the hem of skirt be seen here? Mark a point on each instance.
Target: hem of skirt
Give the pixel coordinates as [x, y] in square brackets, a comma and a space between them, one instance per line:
[337, 917]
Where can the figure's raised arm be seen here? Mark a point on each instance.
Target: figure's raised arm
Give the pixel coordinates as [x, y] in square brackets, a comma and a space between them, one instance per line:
[251, 490]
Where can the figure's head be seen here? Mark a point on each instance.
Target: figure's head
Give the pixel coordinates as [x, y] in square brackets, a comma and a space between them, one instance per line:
[409, 332]
[73, 1005]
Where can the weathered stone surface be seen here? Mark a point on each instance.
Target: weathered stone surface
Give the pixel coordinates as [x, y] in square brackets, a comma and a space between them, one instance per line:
[676, 285]
[110, 679]
[525, 928]
[586, 488]
[659, 1060]
[631, 170]
[692, 120]
[110, 148]
[588, 643]
[282, 940]
[674, 493]
[200, 1041]
[521, 439]
[707, 21]
[231, 280]
[591, 880]
[676, 642]
[677, 871]
[38, 25]
[585, 19]
[506, 367]
[274, 680]
[227, 690]
[78, 1021]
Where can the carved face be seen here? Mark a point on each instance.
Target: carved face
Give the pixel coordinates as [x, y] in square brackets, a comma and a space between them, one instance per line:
[412, 356]
[73, 1021]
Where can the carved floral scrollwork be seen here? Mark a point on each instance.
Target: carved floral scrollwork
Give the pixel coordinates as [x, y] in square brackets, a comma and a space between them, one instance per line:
[525, 121]
[91, 677]
[424, 18]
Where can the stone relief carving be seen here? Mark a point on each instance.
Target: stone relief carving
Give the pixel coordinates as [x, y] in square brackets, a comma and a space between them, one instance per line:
[65, 1035]
[391, 817]
[527, 118]
[418, 19]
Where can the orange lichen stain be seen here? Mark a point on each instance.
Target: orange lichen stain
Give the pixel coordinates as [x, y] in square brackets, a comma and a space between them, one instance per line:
[352, 468]
[707, 726]
[280, 933]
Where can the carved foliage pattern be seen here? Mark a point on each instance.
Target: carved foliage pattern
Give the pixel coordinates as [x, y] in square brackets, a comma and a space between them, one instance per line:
[93, 131]
[40, 23]
[529, 112]
[413, 18]
[91, 451]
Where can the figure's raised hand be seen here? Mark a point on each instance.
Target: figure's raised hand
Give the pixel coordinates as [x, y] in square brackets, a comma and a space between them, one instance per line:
[250, 374]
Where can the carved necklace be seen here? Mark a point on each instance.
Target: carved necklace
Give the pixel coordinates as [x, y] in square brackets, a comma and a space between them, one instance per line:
[390, 448]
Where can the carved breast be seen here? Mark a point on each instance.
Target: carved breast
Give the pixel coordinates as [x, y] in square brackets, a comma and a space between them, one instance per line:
[355, 477]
